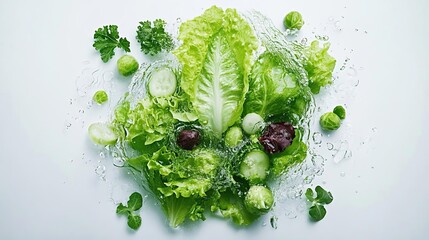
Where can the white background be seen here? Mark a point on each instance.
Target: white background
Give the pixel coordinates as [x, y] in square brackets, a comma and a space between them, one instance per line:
[48, 189]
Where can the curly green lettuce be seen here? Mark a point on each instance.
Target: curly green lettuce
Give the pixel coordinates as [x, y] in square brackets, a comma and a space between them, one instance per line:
[319, 65]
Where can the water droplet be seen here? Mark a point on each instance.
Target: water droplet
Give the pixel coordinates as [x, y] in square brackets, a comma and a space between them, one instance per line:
[118, 162]
[356, 83]
[101, 171]
[302, 207]
[317, 138]
[351, 71]
[356, 30]
[330, 146]
[342, 153]
[374, 129]
[273, 222]
[290, 214]
[178, 20]
[342, 68]
[304, 41]
[102, 155]
[342, 174]
[337, 25]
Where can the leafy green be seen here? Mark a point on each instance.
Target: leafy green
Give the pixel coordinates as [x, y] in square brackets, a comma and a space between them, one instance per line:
[106, 39]
[319, 65]
[317, 211]
[232, 206]
[154, 39]
[292, 155]
[134, 203]
[216, 56]
[149, 117]
[273, 87]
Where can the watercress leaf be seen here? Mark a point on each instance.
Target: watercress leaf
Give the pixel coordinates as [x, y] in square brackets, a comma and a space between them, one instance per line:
[121, 209]
[309, 194]
[134, 221]
[317, 212]
[323, 196]
[135, 202]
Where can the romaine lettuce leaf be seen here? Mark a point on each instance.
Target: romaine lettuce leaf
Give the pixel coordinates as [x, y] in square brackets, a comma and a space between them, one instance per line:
[216, 55]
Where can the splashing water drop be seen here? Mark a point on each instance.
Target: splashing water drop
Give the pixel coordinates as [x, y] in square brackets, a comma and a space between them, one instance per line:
[273, 222]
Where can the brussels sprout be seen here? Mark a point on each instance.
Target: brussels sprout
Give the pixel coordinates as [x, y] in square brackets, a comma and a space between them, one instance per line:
[330, 121]
[252, 123]
[258, 200]
[233, 136]
[340, 111]
[100, 97]
[293, 20]
[127, 65]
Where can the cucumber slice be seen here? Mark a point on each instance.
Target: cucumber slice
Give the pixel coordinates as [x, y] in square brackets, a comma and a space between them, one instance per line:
[162, 83]
[255, 166]
[102, 134]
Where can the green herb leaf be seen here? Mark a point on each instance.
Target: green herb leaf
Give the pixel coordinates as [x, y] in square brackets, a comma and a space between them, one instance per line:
[323, 196]
[317, 212]
[121, 209]
[106, 39]
[154, 39]
[134, 221]
[309, 194]
[135, 202]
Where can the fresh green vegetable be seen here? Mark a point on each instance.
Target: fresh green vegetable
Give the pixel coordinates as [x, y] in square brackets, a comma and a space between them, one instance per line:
[317, 210]
[273, 87]
[180, 127]
[100, 97]
[154, 39]
[216, 56]
[330, 121]
[319, 65]
[255, 166]
[340, 111]
[258, 200]
[233, 136]
[106, 39]
[293, 20]
[127, 65]
[102, 134]
[292, 155]
[162, 83]
[252, 123]
[134, 203]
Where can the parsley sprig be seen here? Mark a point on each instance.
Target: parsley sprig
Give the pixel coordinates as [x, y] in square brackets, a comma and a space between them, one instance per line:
[154, 39]
[106, 39]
